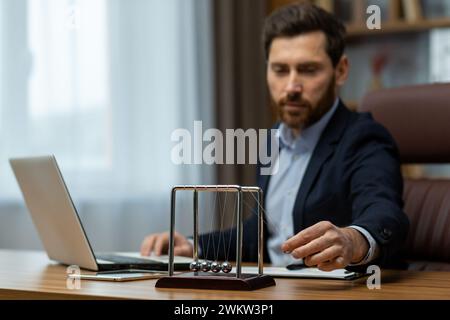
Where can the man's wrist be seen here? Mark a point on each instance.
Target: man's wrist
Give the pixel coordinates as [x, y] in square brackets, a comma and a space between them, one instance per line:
[360, 245]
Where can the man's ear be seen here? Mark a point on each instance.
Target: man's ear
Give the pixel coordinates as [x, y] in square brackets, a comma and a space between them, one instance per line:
[341, 70]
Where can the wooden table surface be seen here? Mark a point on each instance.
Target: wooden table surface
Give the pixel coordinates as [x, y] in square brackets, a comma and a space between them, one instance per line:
[31, 275]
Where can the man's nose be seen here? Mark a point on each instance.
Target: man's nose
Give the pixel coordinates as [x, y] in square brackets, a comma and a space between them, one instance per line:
[294, 84]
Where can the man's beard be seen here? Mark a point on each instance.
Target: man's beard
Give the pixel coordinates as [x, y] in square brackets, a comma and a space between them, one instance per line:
[306, 115]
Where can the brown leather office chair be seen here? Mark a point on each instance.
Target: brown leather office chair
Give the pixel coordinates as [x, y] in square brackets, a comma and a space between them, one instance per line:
[418, 118]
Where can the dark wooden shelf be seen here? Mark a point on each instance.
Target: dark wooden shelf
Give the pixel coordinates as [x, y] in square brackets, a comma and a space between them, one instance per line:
[395, 27]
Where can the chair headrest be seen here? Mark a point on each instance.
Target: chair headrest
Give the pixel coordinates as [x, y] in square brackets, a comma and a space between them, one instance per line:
[418, 117]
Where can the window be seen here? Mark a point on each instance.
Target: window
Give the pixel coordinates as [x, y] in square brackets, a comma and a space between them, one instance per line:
[68, 107]
[102, 84]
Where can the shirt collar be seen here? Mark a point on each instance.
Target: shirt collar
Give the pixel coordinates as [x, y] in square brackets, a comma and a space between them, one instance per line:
[309, 137]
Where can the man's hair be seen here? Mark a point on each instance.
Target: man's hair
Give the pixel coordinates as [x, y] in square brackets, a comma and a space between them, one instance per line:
[295, 19]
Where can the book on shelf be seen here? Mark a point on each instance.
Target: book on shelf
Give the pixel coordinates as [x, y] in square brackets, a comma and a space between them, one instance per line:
[394, 10]
[328, 5]
[439, 55]
[412, 10]
[359, 12]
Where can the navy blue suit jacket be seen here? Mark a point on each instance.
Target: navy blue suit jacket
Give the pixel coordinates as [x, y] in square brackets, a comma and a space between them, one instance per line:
[353, 178]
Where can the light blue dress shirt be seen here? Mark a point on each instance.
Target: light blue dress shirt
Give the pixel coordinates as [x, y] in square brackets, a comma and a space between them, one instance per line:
[295, 154]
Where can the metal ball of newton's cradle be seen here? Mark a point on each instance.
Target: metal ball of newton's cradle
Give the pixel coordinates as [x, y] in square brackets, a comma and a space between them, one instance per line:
[226, 267]
[206, 266]
[195, 266]
[216, 267]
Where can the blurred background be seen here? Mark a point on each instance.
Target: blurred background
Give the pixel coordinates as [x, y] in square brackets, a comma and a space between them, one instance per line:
[103, 83]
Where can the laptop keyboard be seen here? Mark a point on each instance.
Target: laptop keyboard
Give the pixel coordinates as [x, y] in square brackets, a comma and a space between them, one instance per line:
[125, 260]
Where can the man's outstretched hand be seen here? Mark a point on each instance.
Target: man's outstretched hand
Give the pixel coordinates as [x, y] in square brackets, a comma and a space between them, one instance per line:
[158, 244]
[326, 246]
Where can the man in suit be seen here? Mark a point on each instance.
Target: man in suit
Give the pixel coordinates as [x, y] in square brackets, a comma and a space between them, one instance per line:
[336, 200]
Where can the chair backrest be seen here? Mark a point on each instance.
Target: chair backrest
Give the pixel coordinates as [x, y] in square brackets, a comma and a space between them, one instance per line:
[418, 117]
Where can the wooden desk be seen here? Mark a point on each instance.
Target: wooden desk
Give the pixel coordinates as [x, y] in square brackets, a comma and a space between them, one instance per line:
[30, 275]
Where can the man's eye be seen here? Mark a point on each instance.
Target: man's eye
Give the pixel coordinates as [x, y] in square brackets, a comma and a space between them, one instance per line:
[311, 70]
[279, 70]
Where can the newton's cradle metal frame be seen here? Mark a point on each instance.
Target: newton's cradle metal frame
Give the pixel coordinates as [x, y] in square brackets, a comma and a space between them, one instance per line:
[207, 280]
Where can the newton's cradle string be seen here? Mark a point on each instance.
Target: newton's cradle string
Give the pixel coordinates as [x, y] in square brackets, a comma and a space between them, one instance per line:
[226, 267]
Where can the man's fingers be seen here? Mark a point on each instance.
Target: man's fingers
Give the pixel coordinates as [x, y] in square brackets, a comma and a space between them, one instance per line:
[337, 263]
[144, 246]
[147, 245]
[183, 250]
[307, 235]
[161, 243]
[328, 254]
[311, 248]
[178, 238]
[178, 251]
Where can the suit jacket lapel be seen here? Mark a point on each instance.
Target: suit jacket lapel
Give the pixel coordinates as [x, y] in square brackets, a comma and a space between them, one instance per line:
[324, 149]
[264, 183]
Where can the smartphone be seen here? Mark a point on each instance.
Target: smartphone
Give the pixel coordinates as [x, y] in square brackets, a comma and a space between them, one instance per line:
[125, 276]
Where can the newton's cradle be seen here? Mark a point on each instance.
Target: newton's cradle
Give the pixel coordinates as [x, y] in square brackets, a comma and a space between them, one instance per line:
[215, 275]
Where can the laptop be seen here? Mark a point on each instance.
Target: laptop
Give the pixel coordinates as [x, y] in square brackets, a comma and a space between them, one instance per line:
[60, 228]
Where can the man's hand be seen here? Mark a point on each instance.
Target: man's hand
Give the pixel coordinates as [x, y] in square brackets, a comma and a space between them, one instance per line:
[326, 246]
[159, 244]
